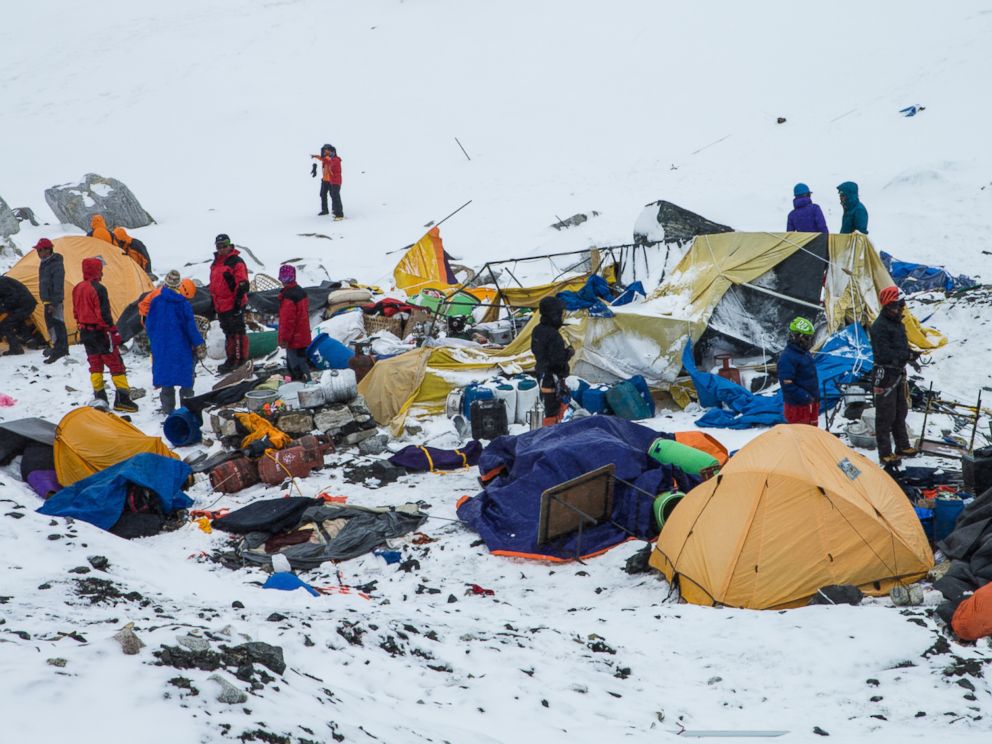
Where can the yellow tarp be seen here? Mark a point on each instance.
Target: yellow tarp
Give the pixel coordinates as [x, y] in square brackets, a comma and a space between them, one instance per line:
[424, 266]
[794, 510]
[88, 441]
[124, 279]
[531, 296]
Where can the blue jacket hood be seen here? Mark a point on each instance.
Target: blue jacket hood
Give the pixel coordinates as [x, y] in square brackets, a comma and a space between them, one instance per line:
[850, 191]
[801, 201]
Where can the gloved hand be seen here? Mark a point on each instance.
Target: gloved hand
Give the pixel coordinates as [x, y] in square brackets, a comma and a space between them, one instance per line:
[313, 171]
[201, 351]
[115, 338]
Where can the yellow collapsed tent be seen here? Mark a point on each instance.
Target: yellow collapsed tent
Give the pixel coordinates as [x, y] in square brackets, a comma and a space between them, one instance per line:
[794, 510]
[124, 279]
[425, 266]
[88, 441]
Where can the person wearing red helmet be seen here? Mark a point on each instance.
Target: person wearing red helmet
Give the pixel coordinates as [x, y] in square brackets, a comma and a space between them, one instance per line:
[891, 352]
[51, 291]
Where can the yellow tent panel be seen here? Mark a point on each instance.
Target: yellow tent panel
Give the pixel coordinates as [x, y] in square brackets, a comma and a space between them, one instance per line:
[794, 510]
[424, 266]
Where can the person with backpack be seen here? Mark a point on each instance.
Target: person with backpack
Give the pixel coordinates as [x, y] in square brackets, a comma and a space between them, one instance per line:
[51, 291]
[229, 291]
[551, 357]
[330, 182]
[133, 249]
[797, 376]
[855, 215]
[805, 215]
[91, 308]
[294, 324]
[99, 230]
[891, 353]
[16, 303]
[176, 343]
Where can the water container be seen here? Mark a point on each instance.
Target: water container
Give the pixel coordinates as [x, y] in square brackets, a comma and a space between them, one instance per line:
[325, 352]
[626, 401]
[507, 393]
[926, 519]
[665, 504]
[340, 385]
[262, 343]
[527, 396]
[453, 402]
[182, 428]
[579, 390]
[594, 400]
[473, 393]
[945, 516]
[687, 459]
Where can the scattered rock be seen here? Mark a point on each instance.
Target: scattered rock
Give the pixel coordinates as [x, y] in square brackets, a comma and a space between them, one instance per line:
[184, 683]
[574, 221]
[237, 605]
[599, 647]
[351, 632]
[98, 591]
[714, 680]
[261, 653]
[130, 643]
[374, 445]
[193, 643]
[275, 617]
[820, 732]
[80, 570]
[228, 694]
[966, 684]
[638, 562]
[76, 203]
[56, 662]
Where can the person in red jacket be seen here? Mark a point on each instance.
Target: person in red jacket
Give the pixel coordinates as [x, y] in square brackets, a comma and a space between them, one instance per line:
[229, 291]
[330, 182]
[91, 307]
[294, 324]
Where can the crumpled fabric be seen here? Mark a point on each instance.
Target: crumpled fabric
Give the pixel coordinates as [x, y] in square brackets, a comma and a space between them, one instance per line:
[260, 428]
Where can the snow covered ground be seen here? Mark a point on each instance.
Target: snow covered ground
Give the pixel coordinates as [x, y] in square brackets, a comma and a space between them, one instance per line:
[208, 111]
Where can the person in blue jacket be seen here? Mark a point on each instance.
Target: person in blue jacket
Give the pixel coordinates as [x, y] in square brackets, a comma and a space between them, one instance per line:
[797, 376]
[855, 215]
[176, 343]
[805, 215]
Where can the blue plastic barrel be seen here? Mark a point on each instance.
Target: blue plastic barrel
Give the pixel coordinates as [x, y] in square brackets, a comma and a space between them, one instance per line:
[594, 400]
[325, 352]
[579, 393]
[926, 519]
[182, 428]
[945, 516]
[473, 393]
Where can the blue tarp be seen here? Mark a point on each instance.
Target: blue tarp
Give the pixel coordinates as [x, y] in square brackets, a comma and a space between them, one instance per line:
[914, 277]
[507, 513]
[590, 297]
[845, 357]
[99, 499]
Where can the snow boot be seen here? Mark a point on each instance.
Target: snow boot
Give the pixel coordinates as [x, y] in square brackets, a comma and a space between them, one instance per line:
[123, 402]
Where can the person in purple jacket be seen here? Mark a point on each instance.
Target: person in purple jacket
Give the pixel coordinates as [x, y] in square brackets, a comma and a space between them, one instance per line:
[806, 216]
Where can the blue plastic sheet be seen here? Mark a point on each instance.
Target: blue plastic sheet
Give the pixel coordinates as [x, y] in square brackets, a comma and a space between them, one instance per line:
[590, 297]
[914, 277]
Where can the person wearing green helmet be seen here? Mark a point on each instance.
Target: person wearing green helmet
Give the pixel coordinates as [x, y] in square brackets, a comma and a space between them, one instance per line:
[797, 375]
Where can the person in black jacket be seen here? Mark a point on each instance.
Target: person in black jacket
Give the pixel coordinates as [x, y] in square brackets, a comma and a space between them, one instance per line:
[51, 290]
[891, 352]
[17, 302]
[551, 357]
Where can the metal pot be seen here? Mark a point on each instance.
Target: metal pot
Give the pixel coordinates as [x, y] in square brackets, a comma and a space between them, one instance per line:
[256, 399]
[312, 396]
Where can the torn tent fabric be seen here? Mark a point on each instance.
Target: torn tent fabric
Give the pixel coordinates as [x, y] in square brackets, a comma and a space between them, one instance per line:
[914, 277]
[428, 459]
[309, 532]
[99, 499]
[425, 265]
[590, 297]
[843, 359]
[507, 513]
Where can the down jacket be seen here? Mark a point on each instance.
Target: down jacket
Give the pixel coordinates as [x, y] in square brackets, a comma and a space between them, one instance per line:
[173, 335]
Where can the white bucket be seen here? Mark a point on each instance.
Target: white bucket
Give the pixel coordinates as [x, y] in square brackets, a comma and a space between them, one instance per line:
[508, 394]
[527, 396]
[339, 385]
[453, 403]
[289, 392]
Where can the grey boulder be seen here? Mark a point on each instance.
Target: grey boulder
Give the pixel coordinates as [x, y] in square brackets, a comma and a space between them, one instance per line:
[9, 224]
[76, 203]
[664, 222]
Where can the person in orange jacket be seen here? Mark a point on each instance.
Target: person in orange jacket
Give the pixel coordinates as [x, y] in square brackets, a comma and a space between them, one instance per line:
[330, 182]
[98, 229]
[133, 248]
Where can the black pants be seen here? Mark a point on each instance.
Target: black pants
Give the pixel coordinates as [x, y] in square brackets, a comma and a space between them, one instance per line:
[297, 364]
[13, 328]
[552, 400]
[55, 324]
[232, 323]
[891, 408]
[334, 189]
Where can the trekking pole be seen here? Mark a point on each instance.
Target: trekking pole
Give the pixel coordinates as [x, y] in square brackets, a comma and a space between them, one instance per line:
[974, 426]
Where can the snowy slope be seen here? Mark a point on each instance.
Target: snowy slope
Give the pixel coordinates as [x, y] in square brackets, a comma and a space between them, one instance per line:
[208, 111]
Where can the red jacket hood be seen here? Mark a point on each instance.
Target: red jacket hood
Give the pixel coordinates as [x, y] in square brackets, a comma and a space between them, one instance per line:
[92, 269]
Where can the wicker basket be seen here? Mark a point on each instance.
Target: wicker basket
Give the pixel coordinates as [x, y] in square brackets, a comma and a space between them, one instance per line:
[375, 323]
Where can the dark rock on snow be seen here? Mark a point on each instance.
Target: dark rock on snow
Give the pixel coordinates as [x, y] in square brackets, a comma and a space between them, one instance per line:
[76, 203]
[664, 222]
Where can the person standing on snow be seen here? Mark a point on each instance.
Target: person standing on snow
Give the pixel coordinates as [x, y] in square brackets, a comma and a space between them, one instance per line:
[330, 182]
[51, 290]
[891, 352]
[229, 291]
[91, 307]
[551, 357]
[176, 343]
[855, 215]
[805, 215]
[99, 230]
[133, 249]
[797, 375]
[294, 324]
[17, 302]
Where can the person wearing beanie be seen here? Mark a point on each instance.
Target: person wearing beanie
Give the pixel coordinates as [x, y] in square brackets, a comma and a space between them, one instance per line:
[146, 301]
[294, 324]
[51, 291]
[133, 249]
[91, 308]
[16, 303]
[805, 215]
[229, 291]
[99, 230]
[176, 343]
[891, 353]
[551, 357]
[330, 182]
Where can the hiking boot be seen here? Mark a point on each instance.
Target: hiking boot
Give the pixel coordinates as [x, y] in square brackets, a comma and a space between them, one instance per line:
[223, 369]
[338, 219]
[56, 355]
[123, 402]
[100, 395]
[907, 452]
[321, 214]
[47, 352]
[888, 459]
[14, 351]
